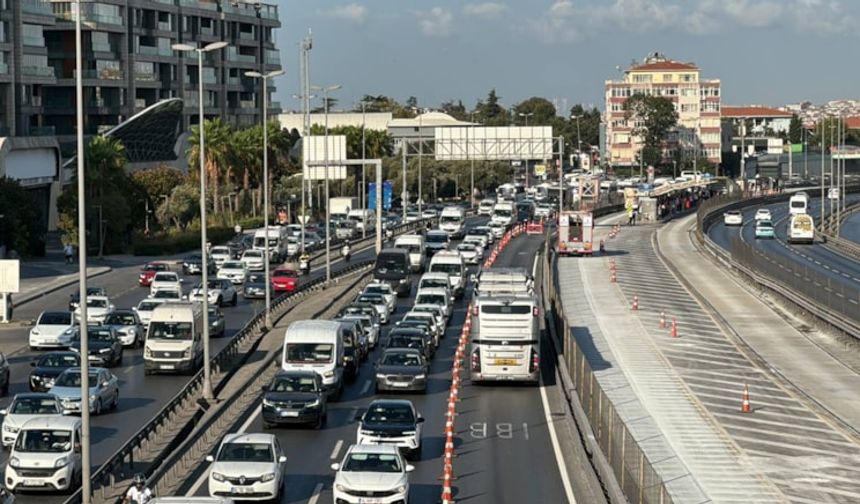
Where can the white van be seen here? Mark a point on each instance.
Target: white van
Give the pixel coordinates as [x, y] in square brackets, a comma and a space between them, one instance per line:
[362, 217]
[174, 339]
[414, 244]
[438, 297]
[435, 281]
[46, 455]
[452, 264]
[486, 207]
[316, 345]
[277, 241]
[798, 204]
[503, 213]
[453, 221]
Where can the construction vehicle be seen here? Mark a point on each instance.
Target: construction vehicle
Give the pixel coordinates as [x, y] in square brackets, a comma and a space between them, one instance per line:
[575, 233]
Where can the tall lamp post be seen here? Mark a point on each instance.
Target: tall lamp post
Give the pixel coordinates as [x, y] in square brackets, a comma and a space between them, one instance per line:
[525, 116]
[265, 78]
[86, 485]
[204, 254]
[578, 142]
[325, 91]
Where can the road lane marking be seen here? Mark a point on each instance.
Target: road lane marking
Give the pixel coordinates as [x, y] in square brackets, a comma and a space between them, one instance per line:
[336, 451]
[203, 477]
[316, 495]
[559, 458]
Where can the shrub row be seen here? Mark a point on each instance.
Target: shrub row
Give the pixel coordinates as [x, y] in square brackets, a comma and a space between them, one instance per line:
[176, 243]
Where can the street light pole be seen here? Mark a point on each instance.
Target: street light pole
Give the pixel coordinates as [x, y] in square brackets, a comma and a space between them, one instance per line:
[325, 90]
[363, 177]
[204, 253]
[420, 155]
[86, 485]
[469, 153]
[265, 78]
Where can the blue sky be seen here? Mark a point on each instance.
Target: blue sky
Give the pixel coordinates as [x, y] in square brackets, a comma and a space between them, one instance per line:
[769, 52]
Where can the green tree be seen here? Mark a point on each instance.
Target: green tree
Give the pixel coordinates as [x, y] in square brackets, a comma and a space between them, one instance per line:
[795, 130]
[655, 116]
[181, 208]
[382, 103]
[589, 125]
[219, 155]
[20, 224]
[491, 112]
[455, 110]
[536, 111]
[826, 132]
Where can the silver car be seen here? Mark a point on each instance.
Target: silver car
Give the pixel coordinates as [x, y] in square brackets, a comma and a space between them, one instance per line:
[103, 386]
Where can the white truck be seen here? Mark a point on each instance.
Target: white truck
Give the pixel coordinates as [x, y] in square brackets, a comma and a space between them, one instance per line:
[414, 244]
[453, 221]
[316, 345]
[451, 263]
[174, 339]
[575, 233]
[278, 246]
[340, 207]
[363, 218]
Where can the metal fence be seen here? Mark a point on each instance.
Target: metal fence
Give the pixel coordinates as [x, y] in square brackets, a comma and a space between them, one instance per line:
[635, 474]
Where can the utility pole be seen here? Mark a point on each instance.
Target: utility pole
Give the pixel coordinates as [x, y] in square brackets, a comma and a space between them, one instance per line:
[363, 179]
[405, 194]
[469, 153]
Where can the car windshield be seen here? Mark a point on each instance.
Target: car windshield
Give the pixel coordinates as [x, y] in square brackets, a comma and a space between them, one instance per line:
[435, 299]
[58, 361]
[99, 335]
[97, 303]
[73, 379]
[220, 251]
[213, 284]
[437, 237]
[55, 318]
[294, 384]
[232, 265]
[450, 218]
[170, 330]
[147, 306]
[120, 319]
[371, 298]
[309, 352]
[502, 213]
[169, 294]
[394, 413]
[437, 283]
[405, 342]
[43, 441]
[285, 273]
[401, 359]
[155, 267]
[253, 253]
[468, 247]
[391, 262]
[410, 247]
[34, 406]
[376, 289]
[165, 277]
[449, 268]
[372, 462]
[246, 452]
[765, 224]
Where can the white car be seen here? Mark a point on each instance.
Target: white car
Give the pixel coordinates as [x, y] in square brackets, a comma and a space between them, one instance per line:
[221, 292]
[763, 214]
[145, 308]
[486, 207]
[234, 271]
[543, 210]
[220, 254]
[478, 239]
[253, 260]
[97, 309]
[248, 467]
[25, 407]
[429, 213]
[165, 281]
[46, 455]
[733, 218]
[53, 329]
[166, 295]
[386, 291]
[438, 296]
[372, 470]
[432, 309]
[128, 327]
[370, 330]
[491, 238]
[378, 301]
[472, 254]
[496, 229]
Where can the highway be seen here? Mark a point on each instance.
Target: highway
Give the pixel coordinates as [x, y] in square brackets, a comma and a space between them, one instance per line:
[817, 255]
[504, 447]
[850, 229]
[140, 397]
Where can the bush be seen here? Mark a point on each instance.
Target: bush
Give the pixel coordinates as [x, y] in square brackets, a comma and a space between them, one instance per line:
[178, 242]
[251, 223]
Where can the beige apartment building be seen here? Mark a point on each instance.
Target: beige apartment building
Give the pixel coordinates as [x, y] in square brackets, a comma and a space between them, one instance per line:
[696, 100]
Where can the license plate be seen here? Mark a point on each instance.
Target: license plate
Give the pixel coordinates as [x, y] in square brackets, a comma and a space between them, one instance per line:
[32, 482]
[505, 362]
[369, 500]
[400, 384]
[289, 413]
[242, 490]
[167, 366]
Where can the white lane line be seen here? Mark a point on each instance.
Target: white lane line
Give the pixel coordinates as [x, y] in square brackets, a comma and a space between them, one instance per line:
[559, 458]
[336, 451]
[205, 476]
[534, 265]
[316, 495]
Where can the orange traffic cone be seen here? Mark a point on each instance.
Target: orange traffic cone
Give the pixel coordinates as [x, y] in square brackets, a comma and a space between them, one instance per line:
[447, 495]
[745, 405]
[674, 332]
[635, 303]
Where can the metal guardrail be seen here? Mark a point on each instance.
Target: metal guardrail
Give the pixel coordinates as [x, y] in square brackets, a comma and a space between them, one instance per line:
[829, 229]
[805, 287]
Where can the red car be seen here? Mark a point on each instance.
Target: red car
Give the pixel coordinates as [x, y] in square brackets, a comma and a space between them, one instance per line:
[285, 279]
[148, 271]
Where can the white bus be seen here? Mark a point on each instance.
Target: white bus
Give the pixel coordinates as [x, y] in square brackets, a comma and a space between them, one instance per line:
[505, 342]
[798, 204]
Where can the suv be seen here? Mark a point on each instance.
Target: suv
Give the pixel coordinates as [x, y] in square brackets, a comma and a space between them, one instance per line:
[294, 397]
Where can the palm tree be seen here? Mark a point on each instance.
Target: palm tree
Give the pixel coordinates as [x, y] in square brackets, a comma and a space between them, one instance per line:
[219, 147]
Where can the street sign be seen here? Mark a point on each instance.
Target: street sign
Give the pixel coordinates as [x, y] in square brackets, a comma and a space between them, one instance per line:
[833, 193]
[387, 195]
[540, 170]
[10, 274]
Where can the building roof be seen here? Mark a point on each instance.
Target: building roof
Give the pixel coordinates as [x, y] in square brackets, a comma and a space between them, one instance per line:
[429, 120]
[658, 66]
[752, 112]
[852, 122]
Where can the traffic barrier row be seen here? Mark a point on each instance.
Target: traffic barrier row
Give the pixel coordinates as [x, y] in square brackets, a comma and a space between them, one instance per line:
[516, 230]
[447, 477]
[535, 227]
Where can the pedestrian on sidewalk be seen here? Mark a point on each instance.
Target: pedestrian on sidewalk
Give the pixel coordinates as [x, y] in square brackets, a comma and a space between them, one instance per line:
[69, 252]
[9, 306]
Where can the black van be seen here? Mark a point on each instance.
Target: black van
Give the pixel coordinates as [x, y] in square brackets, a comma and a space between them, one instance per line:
[392, 266]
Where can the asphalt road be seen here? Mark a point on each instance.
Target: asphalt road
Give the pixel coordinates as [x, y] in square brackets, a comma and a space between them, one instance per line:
[140, 397]
[504, 448]
[850, 229]
[828, 262]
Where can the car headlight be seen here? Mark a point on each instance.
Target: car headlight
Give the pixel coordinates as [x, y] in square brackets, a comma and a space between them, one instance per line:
[93, 399]
[401, 489]
[328, 374]
[267, 477]
[348, 358]
[69, 331]
[105, 351]
[268, 403]
[313, 404]
[61, 462]
[147, 352]
[75, 349]
[217, 476]
[339, 487]
[420, 376]
[14, 462]
[187, 353]
[34, 332]
[378, 375]
[10, 429]
[409, 433]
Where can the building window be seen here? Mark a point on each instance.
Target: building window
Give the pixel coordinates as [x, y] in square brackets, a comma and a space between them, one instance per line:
[33, 35]
[639, 78]
[617, 107]
[710, 106]
[667, 77]
[688, 77]
[689, 107]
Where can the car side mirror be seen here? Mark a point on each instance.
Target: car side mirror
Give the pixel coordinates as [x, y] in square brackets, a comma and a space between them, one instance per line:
[420, 420]
[3, 412]
[410, 468]
[335, 467]
[282, 459]
[33, 364]
[77, 447]
[210, 458]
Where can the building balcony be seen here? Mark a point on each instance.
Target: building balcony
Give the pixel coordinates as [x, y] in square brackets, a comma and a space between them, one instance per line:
[33, 41]
[140, 103]
[268, 11]
[104, 74]
[164, 26]
[155, 51]
[243, 35]
[247, 104]
[38, 7]
[43, 131]
[145, 76]
[197, 4]
[38, 71]
[4, 69]
[273, 57]
[91, 17]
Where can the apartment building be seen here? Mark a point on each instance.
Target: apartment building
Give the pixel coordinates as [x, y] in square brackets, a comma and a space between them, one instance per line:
[696, 100]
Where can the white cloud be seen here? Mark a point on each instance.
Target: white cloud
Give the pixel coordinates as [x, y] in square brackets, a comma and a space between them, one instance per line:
[437, 22]
[822, 17]
[640, 15]
[486, 10]
[556, 26]
[352, 12]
